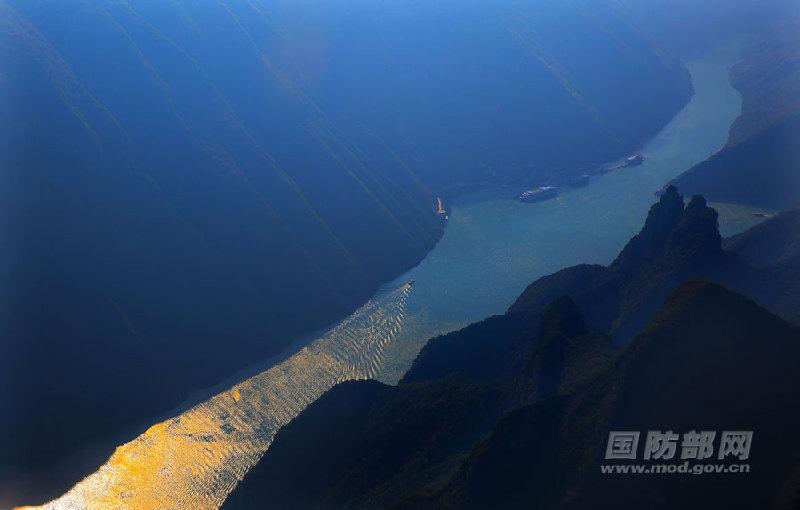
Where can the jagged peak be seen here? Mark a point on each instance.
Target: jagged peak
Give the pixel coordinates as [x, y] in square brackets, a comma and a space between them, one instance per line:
[698, 229]
[662, 218]
[697, 203]
[672, 227]
[671, 194]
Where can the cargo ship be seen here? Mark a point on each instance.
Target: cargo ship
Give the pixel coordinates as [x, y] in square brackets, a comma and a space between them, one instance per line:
[538, 194]
[632, 160]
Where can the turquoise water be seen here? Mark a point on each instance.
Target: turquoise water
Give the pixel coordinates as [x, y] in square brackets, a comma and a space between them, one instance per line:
[494, 245]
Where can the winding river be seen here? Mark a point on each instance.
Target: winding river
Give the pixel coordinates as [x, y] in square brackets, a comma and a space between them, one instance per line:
[492, 248]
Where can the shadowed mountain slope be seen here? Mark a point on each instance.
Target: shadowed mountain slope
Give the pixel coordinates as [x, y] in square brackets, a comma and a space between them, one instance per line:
[773, 248]
[710, 358]
[760, 164]
[390, 439]
[187, 186]
[471, 91]
[775, 241]
[154, 242]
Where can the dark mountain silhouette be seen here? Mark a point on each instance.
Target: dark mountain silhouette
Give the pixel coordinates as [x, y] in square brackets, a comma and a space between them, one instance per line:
[548, 386]
[677, 243]
[759, 164]
[188, 186]
[384, 440]
[709, 358]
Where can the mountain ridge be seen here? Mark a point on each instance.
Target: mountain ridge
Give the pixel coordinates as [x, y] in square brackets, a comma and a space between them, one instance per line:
[547, 450]
[560, 372]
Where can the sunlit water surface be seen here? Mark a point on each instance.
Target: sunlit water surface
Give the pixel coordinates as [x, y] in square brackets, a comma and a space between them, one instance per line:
[492, 248]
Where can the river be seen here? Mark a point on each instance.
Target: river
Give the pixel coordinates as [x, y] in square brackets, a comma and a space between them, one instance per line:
[492, 248]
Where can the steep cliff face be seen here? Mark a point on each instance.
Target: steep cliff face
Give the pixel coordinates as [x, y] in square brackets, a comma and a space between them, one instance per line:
[188, 185]
[760, 164]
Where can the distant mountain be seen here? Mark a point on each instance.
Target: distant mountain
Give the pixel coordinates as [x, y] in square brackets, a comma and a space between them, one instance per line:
[541, 386]
[187, 186]
[759, 164]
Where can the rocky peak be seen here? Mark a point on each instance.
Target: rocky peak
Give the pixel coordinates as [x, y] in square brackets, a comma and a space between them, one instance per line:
[672, 229]
[697, 233]
[661, 220]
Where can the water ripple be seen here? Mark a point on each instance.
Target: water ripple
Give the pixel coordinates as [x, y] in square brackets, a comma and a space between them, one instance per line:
[197, 458]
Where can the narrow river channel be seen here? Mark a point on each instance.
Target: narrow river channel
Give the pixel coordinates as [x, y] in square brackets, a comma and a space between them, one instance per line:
[492, 248]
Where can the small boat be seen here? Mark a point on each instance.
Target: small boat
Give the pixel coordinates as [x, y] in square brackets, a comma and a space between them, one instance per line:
[440, 210]
[632, 160]
[538, 194]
